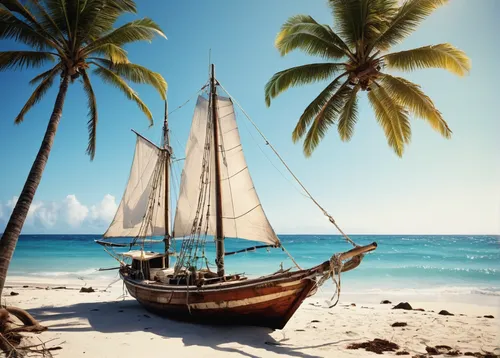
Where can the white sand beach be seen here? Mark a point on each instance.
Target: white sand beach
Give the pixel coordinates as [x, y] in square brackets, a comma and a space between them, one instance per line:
[106, 323]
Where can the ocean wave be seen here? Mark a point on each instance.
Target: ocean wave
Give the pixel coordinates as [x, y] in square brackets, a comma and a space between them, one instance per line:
[432, 291]
[87, 273]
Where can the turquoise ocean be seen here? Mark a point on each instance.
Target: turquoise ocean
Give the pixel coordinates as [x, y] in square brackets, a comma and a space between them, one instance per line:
[449, 264]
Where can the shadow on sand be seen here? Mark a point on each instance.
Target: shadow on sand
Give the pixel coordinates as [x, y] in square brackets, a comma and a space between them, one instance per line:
[128, 316]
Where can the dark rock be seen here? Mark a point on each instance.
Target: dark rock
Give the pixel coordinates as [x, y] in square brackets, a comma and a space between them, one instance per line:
[385, 302]
[314, 321]
[488, 316]
[378, 346]
[94, 309]
[14, 293]
[59, 288]
[420, 356]
[443, 347]
[419, 309]
[445, 313]
[454, 353]
[432, 351]
[120, 310]
[402, 306]
[87, 289]
[402, 353]
[300, 330]
[353, 304]
[25, 286]
[399, 324]
[146, 316]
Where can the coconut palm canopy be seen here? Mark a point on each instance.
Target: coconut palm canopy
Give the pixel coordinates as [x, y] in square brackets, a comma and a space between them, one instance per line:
[356, 50]
[77, 37]
[74, 37]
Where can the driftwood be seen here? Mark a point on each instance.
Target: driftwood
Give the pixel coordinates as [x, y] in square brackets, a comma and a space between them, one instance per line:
[10, 337]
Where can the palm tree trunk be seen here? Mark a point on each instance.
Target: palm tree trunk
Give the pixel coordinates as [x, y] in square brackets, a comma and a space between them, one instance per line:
[13, 229]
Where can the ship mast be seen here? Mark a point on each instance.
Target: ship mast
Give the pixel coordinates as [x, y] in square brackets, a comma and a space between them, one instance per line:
[219, 236]
[168, 152]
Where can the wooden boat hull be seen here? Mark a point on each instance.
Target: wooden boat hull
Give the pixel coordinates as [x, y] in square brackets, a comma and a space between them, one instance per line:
[268, 301]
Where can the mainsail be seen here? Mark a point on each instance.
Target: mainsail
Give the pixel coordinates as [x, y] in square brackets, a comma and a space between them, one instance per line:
[242, 213]
[142, 209]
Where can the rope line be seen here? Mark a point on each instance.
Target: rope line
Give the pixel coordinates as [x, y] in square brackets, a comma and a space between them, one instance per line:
[330, 217]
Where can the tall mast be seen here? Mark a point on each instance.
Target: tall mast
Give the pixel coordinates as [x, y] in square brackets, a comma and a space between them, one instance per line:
[168, 152]
[219, 233]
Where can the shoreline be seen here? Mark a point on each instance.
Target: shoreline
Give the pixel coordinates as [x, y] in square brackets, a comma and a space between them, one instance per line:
[106, 323]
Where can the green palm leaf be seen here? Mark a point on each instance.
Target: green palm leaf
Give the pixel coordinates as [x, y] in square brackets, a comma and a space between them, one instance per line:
[138, 30]
[38, 94]
[325, 118]
[348, 20]
[299, 75]
[43, 75]
[13, 28]
[304, 33]
[392, 117]
[349, 115]
[407, 19]
[410, 96]
[443, 56]
[314, 107]
[112, 52]
[23, 59]
[137, 74]
[112, 78]
[92, 123]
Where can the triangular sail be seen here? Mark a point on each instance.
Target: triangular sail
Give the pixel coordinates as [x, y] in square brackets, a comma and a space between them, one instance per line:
[142, 209]
[242, 212]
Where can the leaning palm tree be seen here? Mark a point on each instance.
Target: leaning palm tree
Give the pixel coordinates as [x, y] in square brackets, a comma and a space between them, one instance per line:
[76, 37]
[356, 49]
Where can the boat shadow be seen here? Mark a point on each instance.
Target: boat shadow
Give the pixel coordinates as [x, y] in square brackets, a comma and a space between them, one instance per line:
[128, 316]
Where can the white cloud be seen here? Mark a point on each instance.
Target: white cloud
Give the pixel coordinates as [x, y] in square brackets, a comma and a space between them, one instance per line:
[105, 211]
[73, 211]
[67, 215]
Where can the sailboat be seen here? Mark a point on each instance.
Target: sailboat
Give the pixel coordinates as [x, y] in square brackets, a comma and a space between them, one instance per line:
[217, 199]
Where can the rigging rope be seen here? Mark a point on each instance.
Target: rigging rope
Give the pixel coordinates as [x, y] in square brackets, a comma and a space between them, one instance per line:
[330, 218]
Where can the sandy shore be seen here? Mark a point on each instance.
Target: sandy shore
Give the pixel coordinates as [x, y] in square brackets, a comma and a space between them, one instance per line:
[109, 323]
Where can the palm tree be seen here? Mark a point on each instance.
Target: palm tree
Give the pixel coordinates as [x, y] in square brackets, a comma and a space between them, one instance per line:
[76, 36]
[357, 52]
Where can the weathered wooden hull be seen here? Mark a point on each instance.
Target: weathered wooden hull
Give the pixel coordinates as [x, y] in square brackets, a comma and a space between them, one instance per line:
[268, 301]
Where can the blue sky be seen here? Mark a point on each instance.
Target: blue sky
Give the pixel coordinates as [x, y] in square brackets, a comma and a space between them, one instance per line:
[439, 186]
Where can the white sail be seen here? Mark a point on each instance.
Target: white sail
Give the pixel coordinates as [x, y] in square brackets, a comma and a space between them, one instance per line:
[142, 209]
[243, 216]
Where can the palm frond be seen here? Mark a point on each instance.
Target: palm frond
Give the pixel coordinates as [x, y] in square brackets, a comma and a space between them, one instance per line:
[349, 115]
[13, 28]
[407, 19]
[43, 75]
[304, 33]
[48, 23]
[347, 20]
[325, 118]
[314, 107]
[392, 117]
[37, 94]
[137, 74]
[112, 78]
[92, 123]
[138, 30]
[299, 75]
[411, 96]
[23, 59]
[443, 56]
[375, 16]
[112, 52]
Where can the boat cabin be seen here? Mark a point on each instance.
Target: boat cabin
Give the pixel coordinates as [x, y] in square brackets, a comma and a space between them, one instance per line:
[146, 264]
